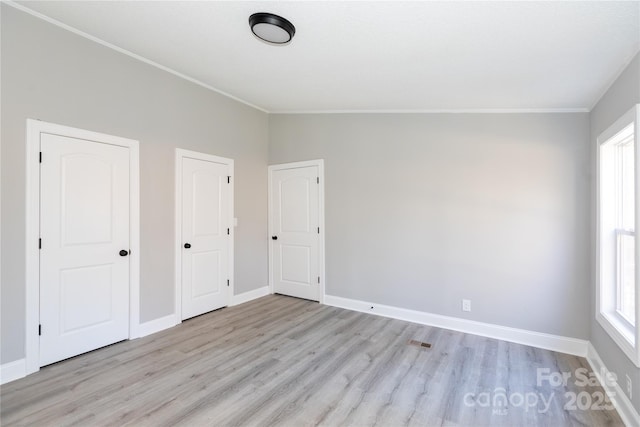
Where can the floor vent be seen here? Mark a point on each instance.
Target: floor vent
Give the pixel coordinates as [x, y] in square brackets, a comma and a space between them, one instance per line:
[420, 343]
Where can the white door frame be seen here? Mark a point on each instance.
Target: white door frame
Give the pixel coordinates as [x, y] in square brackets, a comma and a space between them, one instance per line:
[32, 252]
[321, 265]
[181, 154]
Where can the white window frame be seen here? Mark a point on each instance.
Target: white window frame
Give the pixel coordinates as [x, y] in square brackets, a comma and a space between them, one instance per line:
[625, 335]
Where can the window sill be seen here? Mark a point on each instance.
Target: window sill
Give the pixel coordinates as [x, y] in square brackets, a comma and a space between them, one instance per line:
[621, 334]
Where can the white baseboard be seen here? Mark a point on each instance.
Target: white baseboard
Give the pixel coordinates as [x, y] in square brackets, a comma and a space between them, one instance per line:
[251, 295]
[13, 371]
[558, 343]
[625, 408]
[156, 325]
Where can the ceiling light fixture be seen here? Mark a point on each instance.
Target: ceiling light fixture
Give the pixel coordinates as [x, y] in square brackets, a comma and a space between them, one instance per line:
[271, 28]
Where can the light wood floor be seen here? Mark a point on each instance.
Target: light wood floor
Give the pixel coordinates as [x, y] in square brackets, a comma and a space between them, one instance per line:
[285, 361]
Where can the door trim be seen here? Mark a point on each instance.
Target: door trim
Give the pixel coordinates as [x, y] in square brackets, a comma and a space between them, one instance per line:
[180, 155]
[32, 252]
[321, 261]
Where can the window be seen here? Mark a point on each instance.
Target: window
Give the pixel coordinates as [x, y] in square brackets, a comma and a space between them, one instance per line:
[617, 218]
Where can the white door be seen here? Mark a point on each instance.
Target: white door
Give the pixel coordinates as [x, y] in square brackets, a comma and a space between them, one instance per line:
[295, 231]
[206, 198]
[84, 262]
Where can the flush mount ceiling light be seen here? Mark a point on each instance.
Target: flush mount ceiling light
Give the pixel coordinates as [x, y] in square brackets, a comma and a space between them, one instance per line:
[271, 28]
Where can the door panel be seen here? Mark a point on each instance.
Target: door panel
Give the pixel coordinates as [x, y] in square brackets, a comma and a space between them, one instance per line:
[206, 200]
[92, 223]
[295, 221]
[294, 204]
[84, 223]
[207, 280]
[295, 264]
[78, 285]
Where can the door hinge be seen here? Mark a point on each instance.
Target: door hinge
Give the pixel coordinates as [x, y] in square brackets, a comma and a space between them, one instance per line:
[318, 179]
[39, 243]
[318, 279]
[41, 157]
[227, 282]
[228, 231]
[228, 180]
[39, 330]
[318, 230]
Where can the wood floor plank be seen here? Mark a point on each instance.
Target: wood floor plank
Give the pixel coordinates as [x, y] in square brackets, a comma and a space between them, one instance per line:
[283, 361]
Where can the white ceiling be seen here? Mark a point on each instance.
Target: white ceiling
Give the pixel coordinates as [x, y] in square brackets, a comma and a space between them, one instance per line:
[379, 56]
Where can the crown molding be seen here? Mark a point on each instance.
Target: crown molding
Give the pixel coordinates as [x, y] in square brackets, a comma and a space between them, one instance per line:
[442, 111]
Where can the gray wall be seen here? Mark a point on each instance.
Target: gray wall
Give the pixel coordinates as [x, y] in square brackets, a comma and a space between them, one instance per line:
[56, 76]
[423, 210]
[620, 97]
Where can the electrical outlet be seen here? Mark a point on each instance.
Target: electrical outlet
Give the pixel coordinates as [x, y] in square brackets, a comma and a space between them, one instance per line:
[629, 387]
[466, 305]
